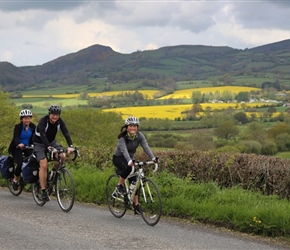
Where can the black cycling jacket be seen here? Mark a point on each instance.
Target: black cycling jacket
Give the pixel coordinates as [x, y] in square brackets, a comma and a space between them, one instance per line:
[16, 134]
[45, 131]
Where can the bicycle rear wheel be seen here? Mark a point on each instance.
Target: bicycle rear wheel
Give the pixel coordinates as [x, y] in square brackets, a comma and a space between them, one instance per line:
[65, 189]
[36, 193]
[115, 201]
[21, 185]
[150, 202]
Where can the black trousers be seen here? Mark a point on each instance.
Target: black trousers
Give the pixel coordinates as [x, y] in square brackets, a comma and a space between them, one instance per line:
[18, 158]
[122, 167]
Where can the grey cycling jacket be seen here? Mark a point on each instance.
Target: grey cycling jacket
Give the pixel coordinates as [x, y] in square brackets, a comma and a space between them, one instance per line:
[127, 146]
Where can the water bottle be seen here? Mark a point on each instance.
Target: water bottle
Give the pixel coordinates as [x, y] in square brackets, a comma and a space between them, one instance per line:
[132, 186]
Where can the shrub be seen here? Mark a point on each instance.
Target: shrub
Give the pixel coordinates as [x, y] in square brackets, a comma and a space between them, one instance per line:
[250, 147]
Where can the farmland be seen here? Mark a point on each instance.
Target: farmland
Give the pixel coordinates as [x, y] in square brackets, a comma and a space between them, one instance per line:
[40, 102]
[172, 112]
[149, 94]
[186, 93]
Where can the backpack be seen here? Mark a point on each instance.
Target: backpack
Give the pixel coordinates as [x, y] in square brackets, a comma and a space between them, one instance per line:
[30, 169]
[7, 166]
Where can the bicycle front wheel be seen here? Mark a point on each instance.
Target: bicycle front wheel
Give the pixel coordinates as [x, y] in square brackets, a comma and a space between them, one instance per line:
[65, 189]
[150, 202]
[36, 193]
[115, 201]
[18, 191]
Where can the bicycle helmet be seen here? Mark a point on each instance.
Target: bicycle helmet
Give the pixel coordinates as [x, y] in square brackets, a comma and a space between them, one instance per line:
[132, 120]
[54, 109]
[25, 113]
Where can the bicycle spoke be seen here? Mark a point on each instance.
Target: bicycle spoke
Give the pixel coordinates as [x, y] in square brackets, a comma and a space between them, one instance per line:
[21, 185]
[36, 193]
[150, 202]
[115, 201]
[65, 190]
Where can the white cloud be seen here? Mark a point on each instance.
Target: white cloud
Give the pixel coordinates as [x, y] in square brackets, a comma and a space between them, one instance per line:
[34, 34]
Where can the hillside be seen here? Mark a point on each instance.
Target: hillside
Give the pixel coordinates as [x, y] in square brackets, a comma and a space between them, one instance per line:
[183, 62]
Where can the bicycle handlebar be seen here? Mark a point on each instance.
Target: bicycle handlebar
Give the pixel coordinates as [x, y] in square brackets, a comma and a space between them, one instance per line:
[53, 150]
[76, 151]
[143, 163]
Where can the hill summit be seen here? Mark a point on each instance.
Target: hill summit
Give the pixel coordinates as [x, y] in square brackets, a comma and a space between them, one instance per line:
[181, 62]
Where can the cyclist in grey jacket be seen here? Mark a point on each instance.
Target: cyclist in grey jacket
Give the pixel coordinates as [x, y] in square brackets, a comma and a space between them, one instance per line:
[128, 141]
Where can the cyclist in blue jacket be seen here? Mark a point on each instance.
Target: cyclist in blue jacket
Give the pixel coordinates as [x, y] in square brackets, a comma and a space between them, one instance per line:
[128, 141]
[22, 136]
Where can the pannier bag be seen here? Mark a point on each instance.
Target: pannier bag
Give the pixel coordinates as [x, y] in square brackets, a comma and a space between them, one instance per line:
[7, 166]
[30, 170]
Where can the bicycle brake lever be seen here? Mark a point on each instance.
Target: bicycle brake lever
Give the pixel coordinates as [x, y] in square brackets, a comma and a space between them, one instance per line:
[156, 167]
[77, 154]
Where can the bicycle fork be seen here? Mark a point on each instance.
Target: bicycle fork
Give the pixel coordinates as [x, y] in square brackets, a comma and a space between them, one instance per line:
[144, 185]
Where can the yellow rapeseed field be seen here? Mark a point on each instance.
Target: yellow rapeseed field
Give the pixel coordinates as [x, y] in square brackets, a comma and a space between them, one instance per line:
[52, 96]
[173, 111]
[186, 93]
[149, 94]
[165, 111]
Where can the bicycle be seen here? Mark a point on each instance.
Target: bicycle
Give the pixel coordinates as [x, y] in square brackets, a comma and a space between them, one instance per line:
[21, 182]
[147, 191]
[59, 182]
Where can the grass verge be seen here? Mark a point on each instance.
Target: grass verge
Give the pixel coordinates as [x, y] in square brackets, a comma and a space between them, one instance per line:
[233, 208]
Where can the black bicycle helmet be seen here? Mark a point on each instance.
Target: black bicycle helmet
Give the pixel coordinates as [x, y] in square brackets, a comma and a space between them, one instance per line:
[54, 109]
[25, 113]
[132, 120]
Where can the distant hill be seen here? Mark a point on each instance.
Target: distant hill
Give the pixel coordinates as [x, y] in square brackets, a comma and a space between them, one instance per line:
[182, 62]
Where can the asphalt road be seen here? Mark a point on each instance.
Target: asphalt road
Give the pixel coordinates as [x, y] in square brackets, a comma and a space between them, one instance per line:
[24, 225]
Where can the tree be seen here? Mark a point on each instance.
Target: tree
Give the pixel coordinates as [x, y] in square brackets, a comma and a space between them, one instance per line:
[254, 131]
[250, 147]
[283, 142]
[269, 148]
[271, 110]
[77, 121]
[226, 130]
[227, 96]
[192, 113]
[242, 97]
[280, 128]
[196, 97]
[83, 96]
[27, 106]
[9, 117]
[226, 79]
[196, 108]
[241, 117]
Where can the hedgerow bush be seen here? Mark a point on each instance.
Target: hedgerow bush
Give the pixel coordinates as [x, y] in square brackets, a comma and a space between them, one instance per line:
[266, 174]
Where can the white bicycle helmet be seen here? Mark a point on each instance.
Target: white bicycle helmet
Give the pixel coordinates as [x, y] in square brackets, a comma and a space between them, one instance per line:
[25, 113]
[132, 120]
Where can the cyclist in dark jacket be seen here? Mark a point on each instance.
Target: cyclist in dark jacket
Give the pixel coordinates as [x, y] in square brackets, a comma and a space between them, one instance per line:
[22, 136]
[44, 139]
[128, 141]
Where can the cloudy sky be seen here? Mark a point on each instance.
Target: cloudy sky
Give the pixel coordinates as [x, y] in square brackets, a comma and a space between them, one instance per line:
[33, 32]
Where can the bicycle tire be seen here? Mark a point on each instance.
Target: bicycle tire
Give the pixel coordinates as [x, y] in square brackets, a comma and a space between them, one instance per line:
[36, 193]
[115, 202]
[150, 202]
[21, 185]
[65, 189]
